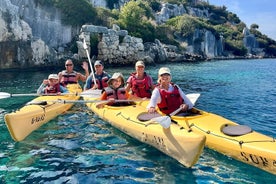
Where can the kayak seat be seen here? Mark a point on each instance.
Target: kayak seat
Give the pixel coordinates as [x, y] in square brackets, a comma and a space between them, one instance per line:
[191, 112]
[37, 103]
[236, 130]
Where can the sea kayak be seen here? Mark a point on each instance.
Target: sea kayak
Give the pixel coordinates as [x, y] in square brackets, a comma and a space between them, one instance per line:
[37, 112]
[227, 137]
[175, 141]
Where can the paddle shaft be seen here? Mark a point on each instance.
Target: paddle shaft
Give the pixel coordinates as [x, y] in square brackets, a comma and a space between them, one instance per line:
[176, 111]
[8, 95]
[79, 101]
[90, 63]
[93, 94]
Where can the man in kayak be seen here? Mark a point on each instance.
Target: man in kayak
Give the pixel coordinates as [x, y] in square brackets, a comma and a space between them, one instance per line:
[69, 76]
[167, 96]
[140, 84]
[101, 77]
[114, 91]
[51, 86]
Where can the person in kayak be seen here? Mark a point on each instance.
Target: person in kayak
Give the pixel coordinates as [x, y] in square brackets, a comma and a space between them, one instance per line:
[167, 96]
[69, 76]
[139, 83]
[100, 75]
[114, 91]
[51, 86]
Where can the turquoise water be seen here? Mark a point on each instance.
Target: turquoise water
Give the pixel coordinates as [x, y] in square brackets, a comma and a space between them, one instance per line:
[78, 147]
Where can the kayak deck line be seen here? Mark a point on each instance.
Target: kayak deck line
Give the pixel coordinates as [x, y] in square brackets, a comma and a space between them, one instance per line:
[239, 141]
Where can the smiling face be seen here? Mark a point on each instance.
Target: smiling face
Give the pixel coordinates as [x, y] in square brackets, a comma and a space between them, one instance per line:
[116, 83]
[53, 82]
[164, 78]
[98, 69]
[69, 65]
[140, 69]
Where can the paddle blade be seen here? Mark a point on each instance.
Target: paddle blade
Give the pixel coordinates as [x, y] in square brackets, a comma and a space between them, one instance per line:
[4, 95]
[164, 121]
[92, 93]
[193, 97]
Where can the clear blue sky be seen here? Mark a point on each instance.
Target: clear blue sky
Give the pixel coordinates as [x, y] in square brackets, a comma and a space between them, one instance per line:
[260, 12]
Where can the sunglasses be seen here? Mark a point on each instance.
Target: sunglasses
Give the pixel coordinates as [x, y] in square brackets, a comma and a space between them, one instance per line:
[69, 65]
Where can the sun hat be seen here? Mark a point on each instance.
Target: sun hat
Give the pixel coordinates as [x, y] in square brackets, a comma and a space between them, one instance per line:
[164, 70]
[116, 76]
[140, 63]
[98, 62]
[53, 76]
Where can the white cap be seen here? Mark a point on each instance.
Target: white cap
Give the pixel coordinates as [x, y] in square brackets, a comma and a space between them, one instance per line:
[164, 70]
[140, 63]
[98, 62]
[53, 76]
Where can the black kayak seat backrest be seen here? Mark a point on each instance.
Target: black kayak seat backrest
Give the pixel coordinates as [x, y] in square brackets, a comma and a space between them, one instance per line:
[236, 130]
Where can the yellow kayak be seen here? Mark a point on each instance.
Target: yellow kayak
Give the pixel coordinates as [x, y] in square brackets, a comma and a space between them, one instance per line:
[237, 141]
[24, 121]
[176, 142]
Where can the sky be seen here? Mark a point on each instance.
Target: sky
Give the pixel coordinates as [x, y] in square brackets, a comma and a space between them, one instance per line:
[260, 12]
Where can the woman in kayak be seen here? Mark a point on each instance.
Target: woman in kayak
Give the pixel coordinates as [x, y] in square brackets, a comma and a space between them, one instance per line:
[114, 91]
[167, 96]
[51, 86]
[139, 83]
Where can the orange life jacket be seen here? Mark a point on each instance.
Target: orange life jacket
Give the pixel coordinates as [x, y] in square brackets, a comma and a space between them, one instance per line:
[118, 94]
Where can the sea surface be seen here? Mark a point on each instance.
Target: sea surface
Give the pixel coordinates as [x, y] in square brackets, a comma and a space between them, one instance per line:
[78, 147]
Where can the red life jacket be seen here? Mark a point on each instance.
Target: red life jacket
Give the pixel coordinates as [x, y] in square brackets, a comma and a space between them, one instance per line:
[170, 101]
[52, 89]
[101, 83]
[141, 87]
[68, 78]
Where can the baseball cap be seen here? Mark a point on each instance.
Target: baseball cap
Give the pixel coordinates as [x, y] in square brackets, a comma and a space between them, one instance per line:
[53, 76]
[164, 70]
[140, 63]
[98, 62]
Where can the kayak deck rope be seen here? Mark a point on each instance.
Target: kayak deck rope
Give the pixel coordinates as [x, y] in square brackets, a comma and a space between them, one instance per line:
[140, 123]
[241, 142]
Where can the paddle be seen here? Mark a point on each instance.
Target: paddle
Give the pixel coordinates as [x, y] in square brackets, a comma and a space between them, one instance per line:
[90, 63]
[165, 121]
[44, 102]
[88, 93]
[193, 97]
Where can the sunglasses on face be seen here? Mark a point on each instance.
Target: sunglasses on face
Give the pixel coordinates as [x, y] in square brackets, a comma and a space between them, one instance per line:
[69, 65]
[165, 74]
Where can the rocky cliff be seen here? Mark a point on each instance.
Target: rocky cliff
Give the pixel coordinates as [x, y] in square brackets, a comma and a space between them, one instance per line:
[34, 36]
[30, 35]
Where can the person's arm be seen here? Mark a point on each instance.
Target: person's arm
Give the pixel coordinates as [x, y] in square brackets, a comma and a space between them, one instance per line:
[41, 88]
[155, 98]
[88, 83]
[103, 97]
[151, 84]
[85, 67]
[128, 84]
[63, 89]
[186, 99]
